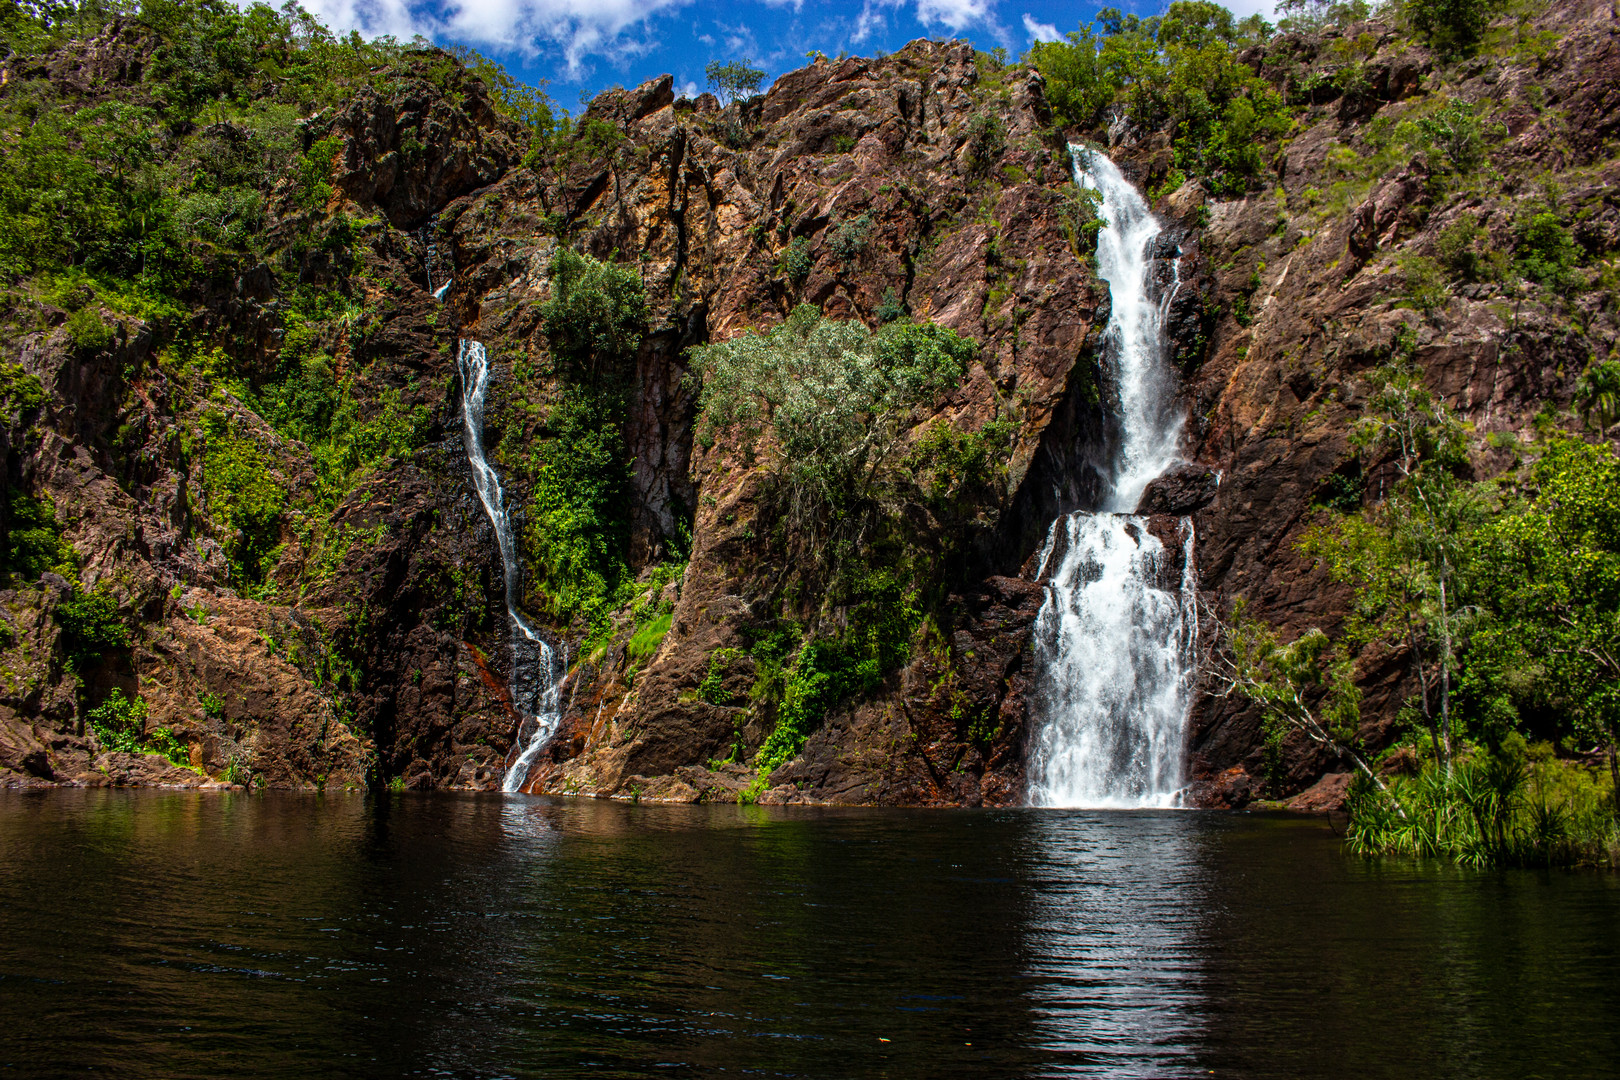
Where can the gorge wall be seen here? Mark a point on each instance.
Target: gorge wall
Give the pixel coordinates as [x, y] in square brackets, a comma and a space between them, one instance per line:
[296, 622]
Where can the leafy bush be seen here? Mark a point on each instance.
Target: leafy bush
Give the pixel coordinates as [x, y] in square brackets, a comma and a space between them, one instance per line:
[1459, 246]
[1456, 140]
[576, 531]
[795, 261]
[1423, 284]
[20, 391]
[119, 723]
[712, 688]
[1452, 26]
[33, 540]
[244, 499]
[91, 627]
[987, 140]
[1546, 252]
[889, 308]
[595, 317]
[836, 398]
[87, 329]
[851, 237]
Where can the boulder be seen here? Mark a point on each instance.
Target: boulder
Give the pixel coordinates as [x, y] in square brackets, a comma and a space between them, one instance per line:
[1180, 491]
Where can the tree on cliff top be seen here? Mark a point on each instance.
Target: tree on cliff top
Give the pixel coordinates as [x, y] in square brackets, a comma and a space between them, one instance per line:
[733, 80]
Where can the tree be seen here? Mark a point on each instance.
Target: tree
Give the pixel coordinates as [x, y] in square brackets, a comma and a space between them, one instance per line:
[733, 80]
[1452, 26]
[1306, 685]
[1405, 554]
[1550, 575]
[836, 399]
[1598, 395]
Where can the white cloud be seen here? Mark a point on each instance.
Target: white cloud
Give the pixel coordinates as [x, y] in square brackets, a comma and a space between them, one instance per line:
[578, 28]
[688, 89]
[873, 16]
[954, 13]
[1242, 8]
[1040, 31]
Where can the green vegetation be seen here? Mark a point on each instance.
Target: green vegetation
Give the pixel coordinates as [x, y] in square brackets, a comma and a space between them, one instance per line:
[836, 398]
[834, 410]
[1504, 596]
[91, 627]
[1180, 71]
[733, 80]
[576, 531]
[33, 541]
[645, 641]
[713, 687]
[119, 723]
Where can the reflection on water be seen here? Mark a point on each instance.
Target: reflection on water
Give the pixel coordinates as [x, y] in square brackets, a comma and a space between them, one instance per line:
[146, 934]
[1117, 902]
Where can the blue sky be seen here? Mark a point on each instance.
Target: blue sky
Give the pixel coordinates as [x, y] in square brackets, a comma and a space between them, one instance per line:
[583, 46]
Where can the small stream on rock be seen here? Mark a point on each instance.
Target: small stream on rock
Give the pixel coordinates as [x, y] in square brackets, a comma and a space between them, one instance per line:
[1114, 640]
[536, 675]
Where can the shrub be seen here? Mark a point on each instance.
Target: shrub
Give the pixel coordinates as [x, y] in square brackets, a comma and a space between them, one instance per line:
[795, 261]
[1546, 252]
[576, 531]
[244, 499]
[851, 237]
[712, 688]
[889, 308]
[87, 329]
[20, 391]
[33, 540]
[987, 139]
[1452, 26]
[595, 317]
[1423, 285]
[835, 397]
[1455, 139]
[1458, 246]
[91, 626]
[119, 723]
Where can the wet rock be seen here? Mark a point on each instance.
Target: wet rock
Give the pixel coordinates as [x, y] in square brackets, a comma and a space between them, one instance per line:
[1184, 488]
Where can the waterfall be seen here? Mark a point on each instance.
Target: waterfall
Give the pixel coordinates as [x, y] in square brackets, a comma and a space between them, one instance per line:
[1114, 638]
[535, 674]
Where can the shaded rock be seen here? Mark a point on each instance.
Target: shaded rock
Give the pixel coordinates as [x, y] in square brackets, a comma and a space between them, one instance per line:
[1184, 488]
[1327, 795]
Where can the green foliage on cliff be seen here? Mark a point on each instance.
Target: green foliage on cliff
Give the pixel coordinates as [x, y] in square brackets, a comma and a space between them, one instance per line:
[1504, 597]
[836, 399]
[827, 670]
[33, 541]
[91, 627]
[1181, 70]
[119, 723]
[577, 529]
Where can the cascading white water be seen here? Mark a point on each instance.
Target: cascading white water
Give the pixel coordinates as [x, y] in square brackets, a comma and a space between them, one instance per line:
[536, 694]
[1114, 639]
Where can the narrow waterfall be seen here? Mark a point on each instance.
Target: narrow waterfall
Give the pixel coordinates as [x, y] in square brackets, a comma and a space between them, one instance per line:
[535, 674]
[1114, 639]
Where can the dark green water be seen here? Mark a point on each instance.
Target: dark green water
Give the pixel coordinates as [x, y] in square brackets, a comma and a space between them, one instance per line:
[158, 935]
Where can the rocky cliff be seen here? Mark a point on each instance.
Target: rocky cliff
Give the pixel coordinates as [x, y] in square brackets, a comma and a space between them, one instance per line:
[294, 612]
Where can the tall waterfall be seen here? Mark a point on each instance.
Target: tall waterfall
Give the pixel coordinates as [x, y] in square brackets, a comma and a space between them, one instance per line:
[1114, 639]
[535, 679]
